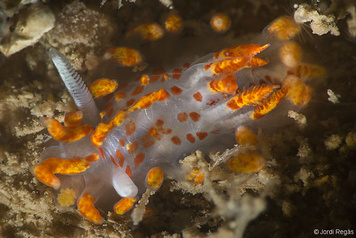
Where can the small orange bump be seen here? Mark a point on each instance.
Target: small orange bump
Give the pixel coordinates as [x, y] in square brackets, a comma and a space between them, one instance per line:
[148, 31]
[226, 84]
[137, 90]
[132, 147]
[154, 178]
[245, 136]
[246, 163]
[182, 116]
[176, 140]
[240, 51]
[45, 170]
[66, 134]
[298, 92]
[73, 119]
[251, 96]
[119, 96]
[201, 135]
[291, 54]
[176, 90]
[130, 128]
[145, 79]
[86, 208]
[124, 56]
[128, 171]
[173, 23]
[220, 22]
[124, 205]
[198, 97]
[139, 159]
[194, 116]
[284, 28]
[120, 157]
[102, 87]
[190, 138]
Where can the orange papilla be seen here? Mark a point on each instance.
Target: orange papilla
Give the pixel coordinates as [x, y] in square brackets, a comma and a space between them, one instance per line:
[102, 87]
[145, 79]
[226, 84]
[148, 31]
[284, 28]
[173, 23]
[45, 170]
[124, 205]
[269, 103]
[255, 62]
[72, 119]
[125, 56]
[298, 92]
[67, 134]
[147, 100]
[251, 96]
[227, 66]
[246, 163]
[86, 208]
[154, 178]
[240, 51]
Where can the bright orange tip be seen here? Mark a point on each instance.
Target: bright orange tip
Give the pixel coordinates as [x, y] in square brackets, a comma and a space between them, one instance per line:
[246, 163]
[124, 56]
[124, 205]
[220, 22]
[86, 207]
[154, 178]
[45, 170]
[240, 51]
[73, 119]
[67, 134]
[102, 87]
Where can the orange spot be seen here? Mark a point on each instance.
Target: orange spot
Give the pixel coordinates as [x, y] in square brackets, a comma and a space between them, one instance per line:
[269, 103]
[137, 90]
[176, 76]
[73, 119]
[102, 87]
[130, 102]
[124, 56]
[201, 135]
[139, 159]
[284, 28]
[120, 157]
[101, 152]
[198, 97]
[291, 54]
[182, 116]
[252, 96]
[240, 51]
[147, 140]
[173, 23]
[246, 163]
[194, 116]
[113, 161]
[176, 140]
[122, 142]
[66, 134]
[154, 178]
[148, 31]
[298, 92]
[86, 208]
[190, 138]
[124, 205]
[130, 128]
[177, 71]
[119, 96]
[132, 147]
[227, 66]
[245, 136]
[226, 84]
[176, 91]
[159, 122]
[128, 171]
[45, 170]
[145, 79]
[220, 22]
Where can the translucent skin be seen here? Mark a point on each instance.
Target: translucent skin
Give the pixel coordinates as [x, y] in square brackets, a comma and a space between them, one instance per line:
[165, 115]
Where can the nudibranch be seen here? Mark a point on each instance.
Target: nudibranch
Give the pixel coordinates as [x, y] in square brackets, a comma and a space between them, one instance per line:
[108, 157]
